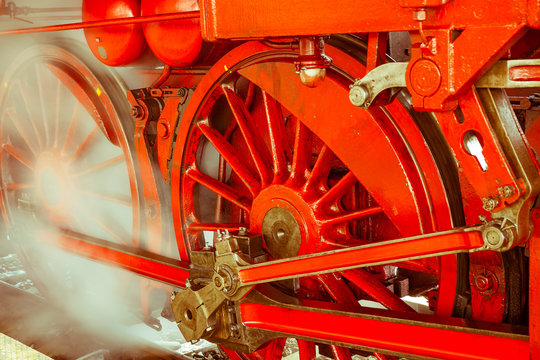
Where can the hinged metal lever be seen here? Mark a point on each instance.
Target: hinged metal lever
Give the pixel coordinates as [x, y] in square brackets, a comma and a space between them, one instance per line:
[504, 74]
[386, 76]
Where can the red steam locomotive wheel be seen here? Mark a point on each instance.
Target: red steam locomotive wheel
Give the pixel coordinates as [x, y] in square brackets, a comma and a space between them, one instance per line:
[311, 173]
[65, 158]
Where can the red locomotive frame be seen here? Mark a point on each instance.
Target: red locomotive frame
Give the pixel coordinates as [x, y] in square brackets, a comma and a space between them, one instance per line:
[463, 53]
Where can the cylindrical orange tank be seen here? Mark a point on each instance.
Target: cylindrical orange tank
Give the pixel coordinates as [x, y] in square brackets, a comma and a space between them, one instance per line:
[114, 45]
[177, 43]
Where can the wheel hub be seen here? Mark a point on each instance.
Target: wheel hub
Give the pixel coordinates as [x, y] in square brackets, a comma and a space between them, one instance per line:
[51, 180]
[286, 221]
[281, 233]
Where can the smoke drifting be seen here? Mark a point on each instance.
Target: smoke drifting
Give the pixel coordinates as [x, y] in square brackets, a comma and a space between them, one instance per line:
[59, 171]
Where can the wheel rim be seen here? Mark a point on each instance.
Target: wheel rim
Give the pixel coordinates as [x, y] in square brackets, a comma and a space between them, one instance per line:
[65, 162]
[312, 195]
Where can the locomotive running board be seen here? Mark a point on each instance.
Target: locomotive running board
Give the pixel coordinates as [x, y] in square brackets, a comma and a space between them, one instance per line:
[157, 267]
[389, 331]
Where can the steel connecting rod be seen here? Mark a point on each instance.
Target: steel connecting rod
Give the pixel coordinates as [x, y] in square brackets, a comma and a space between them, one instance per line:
[246, 275]
[154, 266]
[441, 243]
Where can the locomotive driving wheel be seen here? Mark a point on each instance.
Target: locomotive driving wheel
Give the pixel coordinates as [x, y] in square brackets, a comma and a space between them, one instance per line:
[65, 165]
[258, 152]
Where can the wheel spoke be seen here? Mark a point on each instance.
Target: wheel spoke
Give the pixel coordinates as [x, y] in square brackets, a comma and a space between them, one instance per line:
[15, 186]
[114, 161]
[337, 191]
[301, 163]
[243, 120]
[18, 124]
[226, 150]
[122, 200]
[85, 143]
[376, 290]
[57, 115]
[219, 188]
[71, 128]
[29, 106]
[274, 350]
[340, 353]
[352, 216]
[197, 226]
[18, 155]
[321, 169]
[41, 93]
[108, 229]
[306, 350]
[278, 138]
[383, 357]
[222, 176]
[337, 289]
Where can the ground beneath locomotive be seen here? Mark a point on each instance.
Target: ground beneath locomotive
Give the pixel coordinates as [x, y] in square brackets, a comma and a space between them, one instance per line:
[51, 330]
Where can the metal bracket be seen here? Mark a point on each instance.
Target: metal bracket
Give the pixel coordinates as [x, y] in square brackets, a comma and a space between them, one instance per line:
[506, 74]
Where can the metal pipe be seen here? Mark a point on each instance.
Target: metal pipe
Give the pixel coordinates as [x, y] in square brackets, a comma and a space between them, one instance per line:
[109, 22]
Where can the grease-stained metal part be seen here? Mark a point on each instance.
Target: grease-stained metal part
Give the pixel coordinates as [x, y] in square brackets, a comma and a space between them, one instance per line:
[386, 76]
[194, 311]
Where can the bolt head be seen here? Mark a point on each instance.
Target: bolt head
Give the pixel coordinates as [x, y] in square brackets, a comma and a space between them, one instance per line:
[358, 95]
[137, 112]
[494, 237]
[506, 191]
[483, 282]
[419, 15]
[490, 203]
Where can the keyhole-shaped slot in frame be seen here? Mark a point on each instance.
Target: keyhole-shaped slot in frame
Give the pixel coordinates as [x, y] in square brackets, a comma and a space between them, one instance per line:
[473, 144]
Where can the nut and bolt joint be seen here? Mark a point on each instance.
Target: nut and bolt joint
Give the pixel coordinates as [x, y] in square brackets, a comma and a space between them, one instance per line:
[419, 15]
[499, 235]
[506, 191]
[490, 203]
[359, 95]
[483, 282]
[137, 112]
